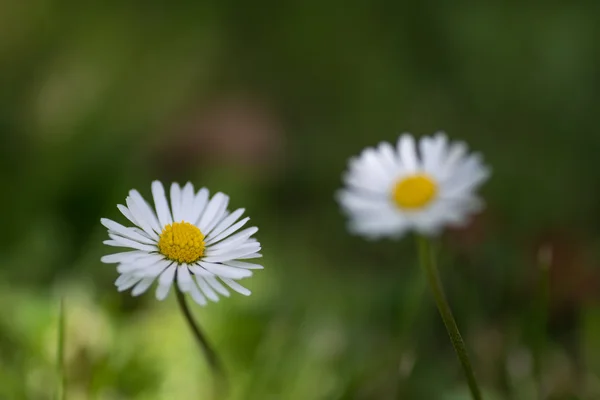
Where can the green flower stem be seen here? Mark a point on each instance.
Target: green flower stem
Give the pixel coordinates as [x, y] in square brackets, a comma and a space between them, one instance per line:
[61, 390]
[429, 267]
[211, 356]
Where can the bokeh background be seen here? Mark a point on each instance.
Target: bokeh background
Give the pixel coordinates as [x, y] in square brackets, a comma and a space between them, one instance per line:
[266, 101]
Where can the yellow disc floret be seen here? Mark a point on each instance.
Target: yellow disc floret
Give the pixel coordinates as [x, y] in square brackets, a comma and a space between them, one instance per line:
[414, 191]
[181, 242]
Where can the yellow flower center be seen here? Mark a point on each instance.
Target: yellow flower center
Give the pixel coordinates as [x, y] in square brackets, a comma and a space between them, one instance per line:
[415, 191]
[181, 242]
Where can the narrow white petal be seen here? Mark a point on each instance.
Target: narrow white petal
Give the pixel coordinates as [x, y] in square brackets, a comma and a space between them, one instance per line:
[196, 295]
[122, 242]
[187, 202]
[227, 231]
[241, 264]
[249, 256]
[128, 268]
[216, 205]
[225, 271]
[126, 256]
[152, 270]
[353, 201]
[224, 224]
[128, 283]
[229, 253]
[143, 221]
[198, 206]
[160, 202]
[176, 202]
[236, 286]
[220, 215]
[215, 284]
[125, 211]
[146, 210]
[196, 269]
[433, 152]
[164, 282]
[388, 157]
[206, 289]
[126, 232]
[142, 286]
[408, 152]
[122, 279]
[235, 239]
[168, 275]
[184, 279]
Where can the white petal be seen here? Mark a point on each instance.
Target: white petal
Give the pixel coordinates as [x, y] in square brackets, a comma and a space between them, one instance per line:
[125, 232]
[128, 268]
[242, 264]
[125, 211]
[164, 282]
[249, 256]
[176, 202]
[196, 269]
[187, 202]
[146, 210]
[206, 289]
[215, 284]
[122, 279]
[227, 231]
[408, 153]
[433, 152]
[236, 286]
[197, 296]
[353, 201]
[128, 283]
[122, 242]
[123, 257]
[142, 286]
[456, 153]
[388, 157]
[167, 276]
[235, 239]
[375, 226]
[142, 221]
[230, 253]
[184, 279]
[225, 271]
[224, 224]
[213, 213]
[160, 202]
[200, 201]
[152, 270]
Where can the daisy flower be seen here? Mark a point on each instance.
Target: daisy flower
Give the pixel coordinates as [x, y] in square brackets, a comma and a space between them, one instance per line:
[195, 242]
[420, 186]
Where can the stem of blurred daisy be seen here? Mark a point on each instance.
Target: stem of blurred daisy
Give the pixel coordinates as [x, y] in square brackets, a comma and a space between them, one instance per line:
[544, 262]
[428, 264]
[220, 378]
[61, 386]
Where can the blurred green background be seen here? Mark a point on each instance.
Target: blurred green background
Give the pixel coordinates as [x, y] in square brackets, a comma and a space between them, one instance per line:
[266, 101]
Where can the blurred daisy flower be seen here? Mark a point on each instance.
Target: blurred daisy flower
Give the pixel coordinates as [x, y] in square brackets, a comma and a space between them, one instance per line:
[195, 242]
[420, 186]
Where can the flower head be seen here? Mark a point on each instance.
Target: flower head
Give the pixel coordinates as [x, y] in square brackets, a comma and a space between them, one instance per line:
[194, 242]
[390, 191]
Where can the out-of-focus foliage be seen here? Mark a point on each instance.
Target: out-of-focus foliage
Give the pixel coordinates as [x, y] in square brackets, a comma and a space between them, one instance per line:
[266, 101]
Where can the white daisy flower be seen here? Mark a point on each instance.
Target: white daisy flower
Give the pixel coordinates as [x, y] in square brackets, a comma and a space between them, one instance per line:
[194, 242]
[391, 191]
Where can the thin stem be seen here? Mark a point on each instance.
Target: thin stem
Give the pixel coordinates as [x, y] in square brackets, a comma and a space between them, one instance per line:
[429, 267]
[60, 354]
[211, 356]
